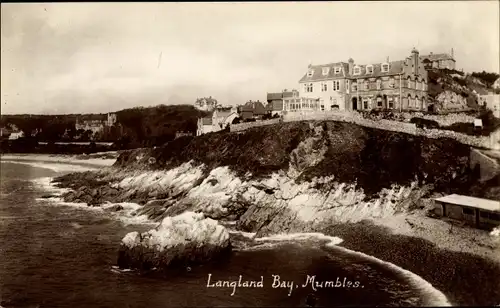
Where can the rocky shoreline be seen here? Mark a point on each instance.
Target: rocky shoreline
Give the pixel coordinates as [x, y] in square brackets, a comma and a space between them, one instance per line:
[258, 206]
[369, 188]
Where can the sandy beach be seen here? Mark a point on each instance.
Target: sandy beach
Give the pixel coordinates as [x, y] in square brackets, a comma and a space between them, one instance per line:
[103, 159]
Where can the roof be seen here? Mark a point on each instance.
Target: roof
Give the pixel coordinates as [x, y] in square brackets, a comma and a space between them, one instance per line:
[273, 96]
[206, 121]
[395, 68]
[437, 56]
[485, 204]
[255, 107]
[223, 114]
[318, 72]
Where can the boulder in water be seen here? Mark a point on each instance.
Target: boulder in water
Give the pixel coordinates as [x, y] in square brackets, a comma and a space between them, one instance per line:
[182, 240]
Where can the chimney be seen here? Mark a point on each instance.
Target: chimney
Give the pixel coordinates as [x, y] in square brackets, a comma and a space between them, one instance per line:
[387, 60]
[452, 52]
[414, 60]
[351, 65]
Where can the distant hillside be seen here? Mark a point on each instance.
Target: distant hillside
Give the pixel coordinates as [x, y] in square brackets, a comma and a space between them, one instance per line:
[135, 127]
[156, 125]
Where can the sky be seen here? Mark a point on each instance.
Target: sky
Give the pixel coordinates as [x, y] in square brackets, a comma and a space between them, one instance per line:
[60, 58]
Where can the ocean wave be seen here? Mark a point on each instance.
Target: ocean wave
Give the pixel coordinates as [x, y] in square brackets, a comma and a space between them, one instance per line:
[433, 296]
[46, 184]
[332, 240]
[56, 167]
[248, 235]
[127, 214]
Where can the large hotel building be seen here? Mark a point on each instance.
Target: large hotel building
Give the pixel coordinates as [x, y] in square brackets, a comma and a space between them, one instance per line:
[391, 85]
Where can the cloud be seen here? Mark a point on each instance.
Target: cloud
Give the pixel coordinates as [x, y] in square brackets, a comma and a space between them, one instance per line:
[95, 57]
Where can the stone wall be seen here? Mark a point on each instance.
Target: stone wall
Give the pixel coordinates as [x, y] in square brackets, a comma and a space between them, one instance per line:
[247, 125]
[356, 118]
[404, 127]
[443, 120]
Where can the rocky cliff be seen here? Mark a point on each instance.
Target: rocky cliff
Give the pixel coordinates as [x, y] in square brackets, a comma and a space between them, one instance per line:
[285, 177]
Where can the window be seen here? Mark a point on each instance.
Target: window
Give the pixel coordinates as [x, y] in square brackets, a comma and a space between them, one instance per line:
[385, 67]
[365, 104]
[324, 87]
[467, 211]
[392, 83]
[391, 104]
[310, 73]
[325, 71]
[354, 87]
[379, 84]
[367, 85]
[379, 102]
[369, 69]
[336, 85]
[409, 82]
[357, 70]
[494, 216]
[309, 87]
[338, 69]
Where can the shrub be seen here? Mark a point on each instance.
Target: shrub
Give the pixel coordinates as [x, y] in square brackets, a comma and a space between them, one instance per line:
[424, 123]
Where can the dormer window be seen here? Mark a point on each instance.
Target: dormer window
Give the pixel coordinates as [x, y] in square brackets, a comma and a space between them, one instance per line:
[385, 67]
[338, 69]
[357, 70]
[310, 73]
[325, 71]
[369, 69]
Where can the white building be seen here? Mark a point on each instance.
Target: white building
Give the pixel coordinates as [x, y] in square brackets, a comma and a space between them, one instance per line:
[496, 84]
[492, 102]
[218, 120]
[16, 135]
[111, 119]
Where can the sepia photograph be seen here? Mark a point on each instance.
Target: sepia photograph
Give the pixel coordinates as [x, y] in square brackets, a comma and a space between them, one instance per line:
[250, 154]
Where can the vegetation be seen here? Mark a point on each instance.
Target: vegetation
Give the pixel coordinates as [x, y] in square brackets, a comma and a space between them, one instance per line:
[490, 124]
[372, 158]
[143, 127]
[487, 78]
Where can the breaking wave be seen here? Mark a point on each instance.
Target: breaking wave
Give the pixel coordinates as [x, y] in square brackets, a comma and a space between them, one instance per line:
[432, 296]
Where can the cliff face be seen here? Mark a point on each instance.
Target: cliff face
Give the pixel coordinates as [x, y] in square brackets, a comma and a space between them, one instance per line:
[370, 158]
[290, 177]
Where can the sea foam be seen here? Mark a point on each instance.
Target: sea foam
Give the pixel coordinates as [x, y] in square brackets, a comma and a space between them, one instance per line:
[432, 296]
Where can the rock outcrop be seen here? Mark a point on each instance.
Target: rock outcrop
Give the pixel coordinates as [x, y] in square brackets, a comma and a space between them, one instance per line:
[182, 240]
[449, 100]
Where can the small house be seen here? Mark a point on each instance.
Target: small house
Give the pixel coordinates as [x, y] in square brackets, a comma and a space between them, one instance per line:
[16, 135]
[253, 110]
[217, 120]
[478, 212]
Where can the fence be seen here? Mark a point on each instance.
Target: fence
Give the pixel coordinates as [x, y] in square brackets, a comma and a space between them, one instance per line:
[247, 125]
